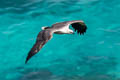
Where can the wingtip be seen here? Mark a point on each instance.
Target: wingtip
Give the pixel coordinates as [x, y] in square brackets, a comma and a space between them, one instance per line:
[28, 57]
[30, 54]
[26, 61]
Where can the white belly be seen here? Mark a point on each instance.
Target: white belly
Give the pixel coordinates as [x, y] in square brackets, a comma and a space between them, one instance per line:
[64, 30]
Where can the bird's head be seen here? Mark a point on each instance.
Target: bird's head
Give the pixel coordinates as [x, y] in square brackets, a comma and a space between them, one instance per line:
[45, 27]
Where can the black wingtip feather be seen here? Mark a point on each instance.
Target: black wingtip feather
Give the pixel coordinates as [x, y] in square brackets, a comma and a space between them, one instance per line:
[33, 51]
[29, 56]
[79, 27]
[26, 61]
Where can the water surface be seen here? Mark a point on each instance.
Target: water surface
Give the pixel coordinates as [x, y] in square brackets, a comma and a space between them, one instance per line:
[94, 56]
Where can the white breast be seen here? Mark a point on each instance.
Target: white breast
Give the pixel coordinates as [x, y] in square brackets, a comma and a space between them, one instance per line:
[65, 29]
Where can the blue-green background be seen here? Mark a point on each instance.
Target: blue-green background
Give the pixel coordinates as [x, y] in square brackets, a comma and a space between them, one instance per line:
[94, 56]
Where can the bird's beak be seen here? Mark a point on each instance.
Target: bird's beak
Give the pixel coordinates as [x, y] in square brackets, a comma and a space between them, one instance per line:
[71, 33]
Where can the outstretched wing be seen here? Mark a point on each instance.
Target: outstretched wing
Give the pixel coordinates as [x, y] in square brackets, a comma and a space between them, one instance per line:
[79, 26]
[42, 38]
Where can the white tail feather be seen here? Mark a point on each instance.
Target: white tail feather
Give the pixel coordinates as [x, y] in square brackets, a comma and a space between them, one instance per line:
[43, 28]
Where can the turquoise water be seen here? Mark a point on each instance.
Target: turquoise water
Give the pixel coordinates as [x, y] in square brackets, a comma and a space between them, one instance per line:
[94, 56]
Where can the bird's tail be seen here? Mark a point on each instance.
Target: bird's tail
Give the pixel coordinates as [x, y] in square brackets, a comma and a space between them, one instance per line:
[43, 28]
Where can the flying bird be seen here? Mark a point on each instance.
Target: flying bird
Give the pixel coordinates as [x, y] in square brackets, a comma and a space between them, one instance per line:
[58, 28]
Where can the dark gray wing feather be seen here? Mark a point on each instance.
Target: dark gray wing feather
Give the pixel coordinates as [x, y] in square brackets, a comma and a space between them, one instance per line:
[80, 27]
[42, 38]
[59, 25]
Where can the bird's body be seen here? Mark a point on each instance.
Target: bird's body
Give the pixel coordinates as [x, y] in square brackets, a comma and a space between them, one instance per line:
[57, 28]
[64, 30]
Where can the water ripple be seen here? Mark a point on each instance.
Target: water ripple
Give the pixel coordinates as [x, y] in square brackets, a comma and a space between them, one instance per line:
[93, 56]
